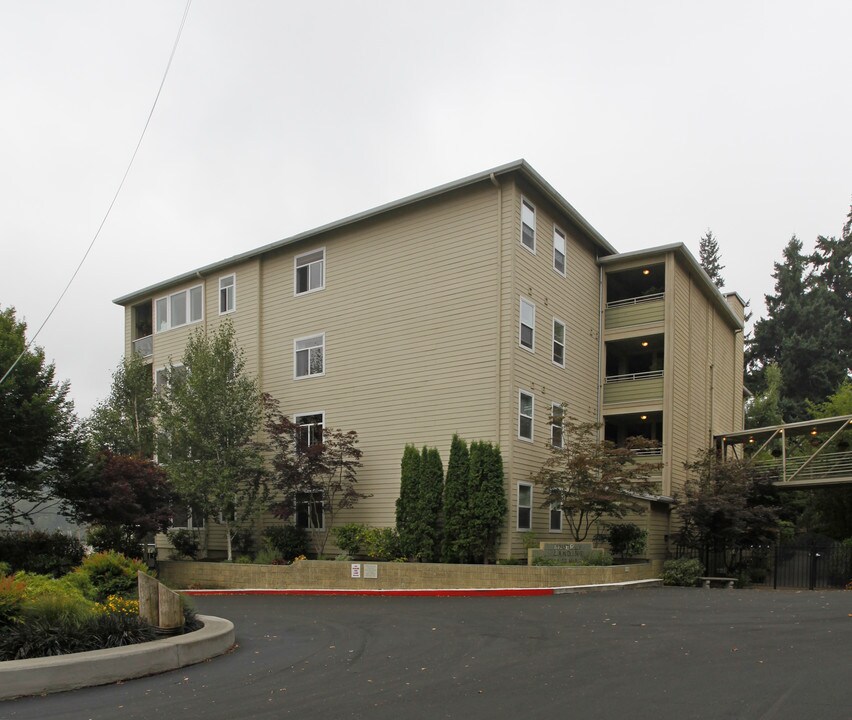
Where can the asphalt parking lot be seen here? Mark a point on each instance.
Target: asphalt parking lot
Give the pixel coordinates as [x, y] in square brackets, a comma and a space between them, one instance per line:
[654, 653]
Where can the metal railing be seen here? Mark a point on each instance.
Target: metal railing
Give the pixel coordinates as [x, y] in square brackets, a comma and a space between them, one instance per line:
[635, 300]
[651, 375]
[807, 467]
[144, 346]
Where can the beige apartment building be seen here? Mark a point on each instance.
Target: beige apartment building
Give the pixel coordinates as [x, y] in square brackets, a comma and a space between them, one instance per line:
[471, 308]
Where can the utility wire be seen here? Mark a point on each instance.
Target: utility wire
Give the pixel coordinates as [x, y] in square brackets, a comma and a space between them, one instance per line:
[114, 197]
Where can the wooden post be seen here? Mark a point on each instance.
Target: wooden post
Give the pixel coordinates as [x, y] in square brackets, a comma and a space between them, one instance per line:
[171, 609]
[149, 598]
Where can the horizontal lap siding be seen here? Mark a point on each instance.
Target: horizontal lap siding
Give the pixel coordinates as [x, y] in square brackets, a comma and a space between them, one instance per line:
[573, 299]
[682, 369]
[409, 317]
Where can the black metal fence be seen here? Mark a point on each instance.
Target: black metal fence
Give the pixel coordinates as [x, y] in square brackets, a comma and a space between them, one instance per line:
[809, 565]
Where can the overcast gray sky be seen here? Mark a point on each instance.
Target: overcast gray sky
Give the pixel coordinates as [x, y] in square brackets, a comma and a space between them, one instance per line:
[656, 120]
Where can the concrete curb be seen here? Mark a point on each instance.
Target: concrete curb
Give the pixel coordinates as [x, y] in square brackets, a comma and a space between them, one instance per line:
[433, 592]
[40, 676]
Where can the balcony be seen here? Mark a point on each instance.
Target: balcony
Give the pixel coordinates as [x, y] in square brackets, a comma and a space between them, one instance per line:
[635, 311]
[634, 387]
[144, 346]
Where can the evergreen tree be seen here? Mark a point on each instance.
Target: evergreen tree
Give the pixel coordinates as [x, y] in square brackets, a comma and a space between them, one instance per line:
[765, 407]
[487, 505]
[806, 331]
[406, 504]
[429, 505]
[456, 499]
[708, 256]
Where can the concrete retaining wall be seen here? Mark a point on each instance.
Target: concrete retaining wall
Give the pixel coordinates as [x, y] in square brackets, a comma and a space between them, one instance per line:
[337, 575]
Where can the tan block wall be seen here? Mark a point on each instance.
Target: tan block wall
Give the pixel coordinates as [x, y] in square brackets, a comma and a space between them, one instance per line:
[329, 574]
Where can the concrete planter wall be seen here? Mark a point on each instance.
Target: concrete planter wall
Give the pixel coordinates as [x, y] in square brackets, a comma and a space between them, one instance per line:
[337, 575]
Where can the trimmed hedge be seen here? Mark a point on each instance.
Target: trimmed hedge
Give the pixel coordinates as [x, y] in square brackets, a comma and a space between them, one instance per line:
[41, 552]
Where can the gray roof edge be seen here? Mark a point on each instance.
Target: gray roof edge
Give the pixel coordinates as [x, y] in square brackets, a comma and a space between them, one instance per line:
[680, 249]
[516, 166]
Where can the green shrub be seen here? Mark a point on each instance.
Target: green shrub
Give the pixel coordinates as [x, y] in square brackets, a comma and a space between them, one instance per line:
[382, 544]
[350, 537]
[68, 587]
[185, 542]
[268, 556]
[12, 593]
[288, 541]
[5, 569]
[57, 609]
[112, 574]
[41, 552]
[544, 561]
[625, 539]
[117, 539]
[598, 558]
[511, 561]
[243, 560]
[44, 636]
[684, 572]
[243, 542]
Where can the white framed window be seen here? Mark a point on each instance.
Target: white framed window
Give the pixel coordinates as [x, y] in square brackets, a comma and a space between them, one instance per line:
[180, 308]
[555, 517]
[227, 294]
[556, 417]
[309, 270]
[310, 428]
[525, 500]
[161, 375]
[185, 517]
[558, 354]
[558, 250]
[309, 511]
[309, 356]
[526, 407]
[526, 333]
[528, 225]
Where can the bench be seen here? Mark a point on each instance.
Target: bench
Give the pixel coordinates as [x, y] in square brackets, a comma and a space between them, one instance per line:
[708, 581]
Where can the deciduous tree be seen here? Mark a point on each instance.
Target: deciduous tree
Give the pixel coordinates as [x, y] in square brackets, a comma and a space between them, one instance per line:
[41, 442]
[210, 414]
[313, 480]
[591, 478]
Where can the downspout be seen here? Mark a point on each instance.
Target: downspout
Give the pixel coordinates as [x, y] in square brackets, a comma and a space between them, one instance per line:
[499, 360]
[598, 399]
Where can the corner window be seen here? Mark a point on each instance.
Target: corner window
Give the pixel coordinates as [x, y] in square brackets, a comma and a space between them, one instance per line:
[527, 330]
[179, 308]
[528, 225]
[309, 356]
[558, 343]
[558, 250]
[555, 518]
[309, 511]
[227, 294]
[526, 405]
[556, 417]
[310, 271]
[525, 493]
[310, 429]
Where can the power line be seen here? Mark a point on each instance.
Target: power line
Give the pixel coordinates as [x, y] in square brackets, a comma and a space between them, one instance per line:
[114, 197]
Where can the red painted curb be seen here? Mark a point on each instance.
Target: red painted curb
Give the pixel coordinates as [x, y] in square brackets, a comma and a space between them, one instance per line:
[472, 592]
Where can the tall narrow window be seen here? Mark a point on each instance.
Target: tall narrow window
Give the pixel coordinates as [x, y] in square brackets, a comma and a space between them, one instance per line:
[558, 250]
[196, 309]
[528, 225]
[525, 498]
[556, 418]
[310, 429]
[558, 342]
[527, 331]
[227, 294]
[310, 356]
[310, 271]
[309, 511]
[555, 518]
[526, 405]
[162, 308]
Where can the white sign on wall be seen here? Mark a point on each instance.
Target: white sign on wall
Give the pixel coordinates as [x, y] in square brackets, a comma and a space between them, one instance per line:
[356, 570]
[371, 570]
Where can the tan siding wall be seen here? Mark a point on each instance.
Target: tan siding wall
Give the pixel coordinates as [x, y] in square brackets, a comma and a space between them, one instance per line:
[409, 317]
[678, 362]
[573, 299]
[639, 314]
